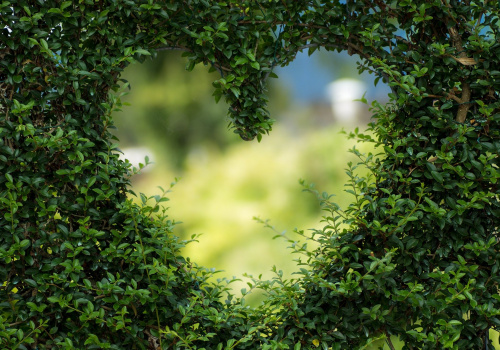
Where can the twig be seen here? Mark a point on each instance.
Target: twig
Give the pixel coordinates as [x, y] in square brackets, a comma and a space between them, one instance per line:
[218, 66]
[464, 106]
[389, 341]
[165, 48]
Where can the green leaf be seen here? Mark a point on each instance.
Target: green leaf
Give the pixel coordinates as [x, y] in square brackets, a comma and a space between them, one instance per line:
[44, 44]
[30, 282]
[241, 60]
[437, 176]
[236, 91]
[338, 335]
[255, 65]
[87, 283]
[143, 52]
[470, 176]
[66, 4]
[431, 203]
[412, 242]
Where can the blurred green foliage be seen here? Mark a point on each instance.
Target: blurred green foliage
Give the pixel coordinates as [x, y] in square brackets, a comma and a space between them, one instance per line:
[225, 182]
[220, 192]
[171, 111]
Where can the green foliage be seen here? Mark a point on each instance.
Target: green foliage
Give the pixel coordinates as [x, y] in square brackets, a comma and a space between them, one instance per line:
[415, 255]
[171, 111]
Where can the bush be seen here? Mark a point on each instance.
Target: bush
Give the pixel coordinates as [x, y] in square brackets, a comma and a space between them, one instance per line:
[415, 255]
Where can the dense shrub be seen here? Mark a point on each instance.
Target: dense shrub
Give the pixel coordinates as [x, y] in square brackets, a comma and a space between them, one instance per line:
[415, 255]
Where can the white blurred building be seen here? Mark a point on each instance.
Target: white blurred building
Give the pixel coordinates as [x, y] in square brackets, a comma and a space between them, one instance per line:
[136, 155]
[342, 93]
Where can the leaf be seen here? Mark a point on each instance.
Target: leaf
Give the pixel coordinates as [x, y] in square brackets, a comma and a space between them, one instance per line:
[466, 61]
[66, 4]
[236, 91]
[412, 242]
[255, 65]
[470, 176]
[240, 61]
[446, 105]
[338, 335]
[87, 283]
[190, 65]
[30, 282]
[437, 176]
[431, 203]
[44, 44]
[143, 52]
[222, 35]
[92, 181]
[251, 56]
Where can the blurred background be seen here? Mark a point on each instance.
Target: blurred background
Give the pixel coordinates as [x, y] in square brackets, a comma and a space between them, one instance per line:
[224, 182]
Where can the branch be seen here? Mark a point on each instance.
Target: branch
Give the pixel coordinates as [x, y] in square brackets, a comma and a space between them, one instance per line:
[307, 46]
[464, 106]
[220, 68]
[359, 51]
[454, 97]
[389, 342]
[165, 48]
[400, 38]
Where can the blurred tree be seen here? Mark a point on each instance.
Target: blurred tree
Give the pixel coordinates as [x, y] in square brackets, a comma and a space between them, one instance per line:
[171, 111]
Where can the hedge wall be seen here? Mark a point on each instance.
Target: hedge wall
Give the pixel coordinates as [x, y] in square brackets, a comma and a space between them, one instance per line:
[415, 255]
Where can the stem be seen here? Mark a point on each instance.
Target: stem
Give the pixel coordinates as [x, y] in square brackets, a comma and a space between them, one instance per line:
[30, 333]
[366, 346]
[165, 48]
[464, 106]
[389, 341]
